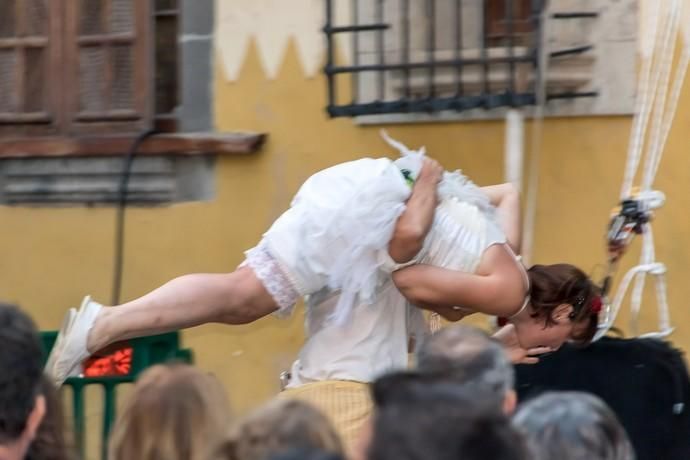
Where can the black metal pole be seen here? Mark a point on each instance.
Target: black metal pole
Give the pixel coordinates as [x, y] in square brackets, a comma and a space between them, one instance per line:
[538, 38]
[406, 46]
[426, 65]
[431, 45]
[511, 52]
[458, 48]
[379, 40]
[486, 88]
[329, 54]
[355, 51]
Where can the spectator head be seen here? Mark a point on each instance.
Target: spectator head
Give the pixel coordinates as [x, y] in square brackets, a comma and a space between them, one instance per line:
[49, 443]
[176, 412]
[470, 358]
[441, 421]
[307, 454]
[22, 407]
[572, 426]
[280, 427]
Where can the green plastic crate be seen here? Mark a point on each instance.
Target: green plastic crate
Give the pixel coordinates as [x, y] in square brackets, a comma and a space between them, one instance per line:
[146, 352]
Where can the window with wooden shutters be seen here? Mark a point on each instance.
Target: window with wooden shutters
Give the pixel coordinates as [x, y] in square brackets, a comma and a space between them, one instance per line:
[75, 67]
[83, 78]
[29, 56]
[107, 65]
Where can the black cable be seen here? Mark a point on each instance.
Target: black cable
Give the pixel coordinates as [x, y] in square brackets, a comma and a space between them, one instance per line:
[120, 217]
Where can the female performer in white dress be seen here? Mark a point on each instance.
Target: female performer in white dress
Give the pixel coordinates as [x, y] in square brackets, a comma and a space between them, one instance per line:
[349, 228]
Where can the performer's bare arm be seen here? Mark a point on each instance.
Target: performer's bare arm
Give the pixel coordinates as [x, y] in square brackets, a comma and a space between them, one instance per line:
[498, 292]
[506, 199]
[415, 222]
[495, 290]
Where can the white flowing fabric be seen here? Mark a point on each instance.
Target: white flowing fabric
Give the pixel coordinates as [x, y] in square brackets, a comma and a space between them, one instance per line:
[338, 222]
[452, 240]
[342, 219]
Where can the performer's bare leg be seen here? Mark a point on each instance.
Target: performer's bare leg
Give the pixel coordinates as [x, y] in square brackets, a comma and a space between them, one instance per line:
[235, 298]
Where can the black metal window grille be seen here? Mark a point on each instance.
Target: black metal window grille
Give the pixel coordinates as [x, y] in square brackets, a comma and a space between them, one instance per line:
[430, 79]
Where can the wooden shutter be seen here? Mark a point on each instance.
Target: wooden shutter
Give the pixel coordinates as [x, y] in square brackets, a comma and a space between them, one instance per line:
[497, 30]
[108, 66]
[29, 52]
[167, 52]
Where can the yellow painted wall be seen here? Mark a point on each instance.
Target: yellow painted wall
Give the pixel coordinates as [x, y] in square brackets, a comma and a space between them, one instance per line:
[52, 257]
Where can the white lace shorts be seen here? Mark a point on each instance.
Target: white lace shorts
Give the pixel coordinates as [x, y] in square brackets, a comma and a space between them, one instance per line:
[273, 277]
[331, 235]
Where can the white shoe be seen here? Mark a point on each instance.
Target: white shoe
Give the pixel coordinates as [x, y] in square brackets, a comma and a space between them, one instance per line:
[60, 340]
[74, 350]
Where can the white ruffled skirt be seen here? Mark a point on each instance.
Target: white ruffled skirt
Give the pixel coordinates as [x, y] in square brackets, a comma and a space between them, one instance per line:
[336, 233]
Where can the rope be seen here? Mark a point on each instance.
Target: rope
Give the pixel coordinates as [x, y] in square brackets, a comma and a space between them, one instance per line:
[681, 72]
[655, 99]
[660, 115]
[646, 258]
[643, 103]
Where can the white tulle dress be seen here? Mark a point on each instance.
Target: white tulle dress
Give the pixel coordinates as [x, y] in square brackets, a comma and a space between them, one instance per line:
[336, 232]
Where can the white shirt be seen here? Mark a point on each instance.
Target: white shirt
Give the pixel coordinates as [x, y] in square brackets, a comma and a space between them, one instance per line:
[372, 343]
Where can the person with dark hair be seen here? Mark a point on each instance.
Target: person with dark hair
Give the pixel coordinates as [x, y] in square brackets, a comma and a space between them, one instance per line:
[572, 426]
[420, 421]
[22, 406]
[49, 443]
[566, 302]
[468, 357]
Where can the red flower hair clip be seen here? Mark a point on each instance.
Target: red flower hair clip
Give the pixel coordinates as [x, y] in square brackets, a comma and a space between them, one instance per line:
[596, 305]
